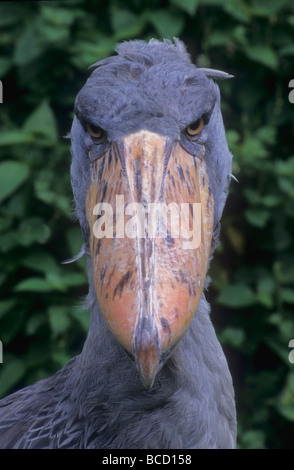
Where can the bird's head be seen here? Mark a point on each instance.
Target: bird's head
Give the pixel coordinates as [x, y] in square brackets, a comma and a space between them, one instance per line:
[150, 175]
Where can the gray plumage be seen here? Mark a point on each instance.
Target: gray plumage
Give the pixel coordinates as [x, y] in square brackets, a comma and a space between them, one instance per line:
[97, 400]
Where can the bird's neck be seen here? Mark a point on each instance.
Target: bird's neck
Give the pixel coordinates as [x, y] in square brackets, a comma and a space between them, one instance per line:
[186, 393]
[109, 365]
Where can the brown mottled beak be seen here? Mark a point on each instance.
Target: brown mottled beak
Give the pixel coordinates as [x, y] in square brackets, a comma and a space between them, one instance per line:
[150, 213]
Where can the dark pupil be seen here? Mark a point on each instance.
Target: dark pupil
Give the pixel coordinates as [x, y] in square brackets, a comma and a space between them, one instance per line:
[95, 129]
[194, 125]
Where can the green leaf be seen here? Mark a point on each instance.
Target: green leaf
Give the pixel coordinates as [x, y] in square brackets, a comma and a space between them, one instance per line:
[265, 291]
[287, 50]
[74, 279]
[237, 9]
[269, 7]
[33, 230]
[11, 13]
[15, 137]
[85, 54]
[279, 348]
[82, 317]
[257, 217]
[54, 34]
[40, 261]
[12, 175]
[287, 295]
[233, 336]
[42, 121]
[59, 16]
[285, 404]
[6, 306]
[10, 375]
[34, 323]
[253, 439]
[189, 6]
[263, 55]
[166, 23]
[34, 284]
[12, 324]
[59, 319]
[5, 65]
[237, 295]
[125, 23]
[28, 47]
[267, 134]
[74, 241]
[8, 241]
[253, 148]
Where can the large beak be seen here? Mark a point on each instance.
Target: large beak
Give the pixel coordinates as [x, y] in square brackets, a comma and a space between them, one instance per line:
[150, 213]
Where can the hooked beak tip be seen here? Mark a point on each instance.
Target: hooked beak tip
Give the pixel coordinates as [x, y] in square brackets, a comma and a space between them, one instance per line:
[147, 352]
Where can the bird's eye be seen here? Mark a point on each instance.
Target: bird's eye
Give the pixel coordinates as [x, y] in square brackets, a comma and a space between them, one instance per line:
[194, 128]
[95, 131]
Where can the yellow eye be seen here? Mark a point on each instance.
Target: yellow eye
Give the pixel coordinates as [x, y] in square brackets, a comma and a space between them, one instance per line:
[95, 131]
[195, 127]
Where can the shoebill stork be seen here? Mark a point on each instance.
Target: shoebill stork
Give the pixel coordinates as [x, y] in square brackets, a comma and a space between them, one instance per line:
[147, 129]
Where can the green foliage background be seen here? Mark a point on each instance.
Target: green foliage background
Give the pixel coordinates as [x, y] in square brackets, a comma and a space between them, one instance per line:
[46, 49]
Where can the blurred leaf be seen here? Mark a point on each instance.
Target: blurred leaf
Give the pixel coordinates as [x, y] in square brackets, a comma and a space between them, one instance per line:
[42, 121]
[233, 336]
[11, 13]
[166, 23]
[65, 280]
[287, 295]
[74, 279]
[287, 50]
[236, 295]
[28, 47]
[11, 324]
[279, 348]
[60, 357]
[263, 55]
[54, 33]
[12, 175]
[267, 134]
[15, 137]
[265, 291]
[5, 65]
[257, 217]
[11, 373]
[82, 317]
[85, 54]
[238, 9]
[253, 439]
[269, 7]
[236, 238]
[189, 6]
[34, 323]
[59, 320]
[40, 261]
[33, 230]
[59, 16]
[125, 23]
[6, 306]
[74, 242]
[7, 241]
[285, 403]
[34, 284]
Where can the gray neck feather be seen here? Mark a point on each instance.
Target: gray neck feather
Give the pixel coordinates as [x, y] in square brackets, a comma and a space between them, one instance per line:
[193, 392]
